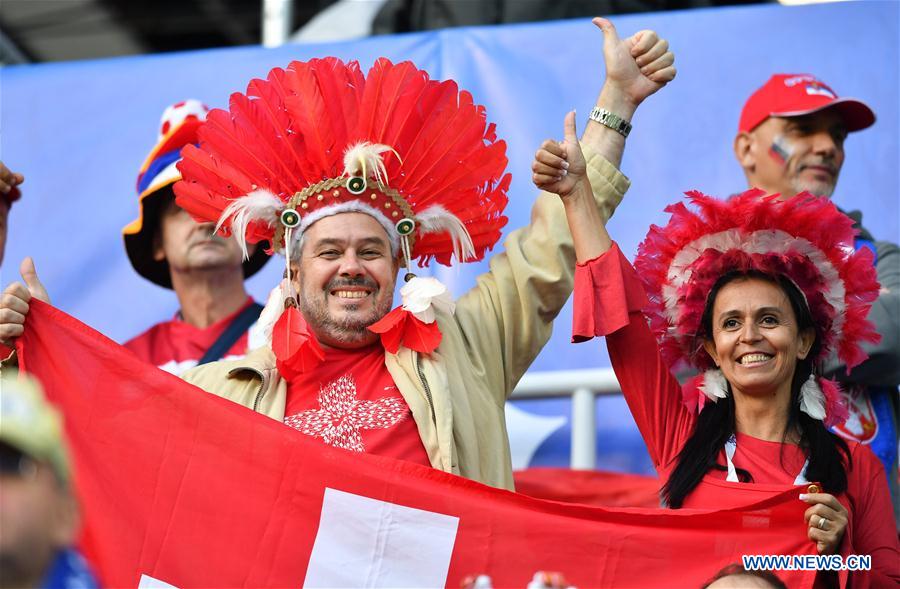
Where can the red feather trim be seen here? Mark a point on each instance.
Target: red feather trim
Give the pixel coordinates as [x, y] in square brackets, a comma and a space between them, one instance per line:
[295, 347]
[400, 327]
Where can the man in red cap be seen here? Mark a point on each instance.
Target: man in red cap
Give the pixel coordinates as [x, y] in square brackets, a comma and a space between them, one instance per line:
[171, 250]
[791, 139]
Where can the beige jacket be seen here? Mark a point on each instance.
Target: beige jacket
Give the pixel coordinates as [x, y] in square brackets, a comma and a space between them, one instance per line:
[457, 394]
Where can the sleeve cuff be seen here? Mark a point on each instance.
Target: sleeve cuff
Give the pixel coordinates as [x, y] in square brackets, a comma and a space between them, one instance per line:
[607, 290]
[610, 185]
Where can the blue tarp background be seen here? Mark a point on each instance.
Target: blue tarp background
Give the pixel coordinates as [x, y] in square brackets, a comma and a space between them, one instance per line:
[80, 130]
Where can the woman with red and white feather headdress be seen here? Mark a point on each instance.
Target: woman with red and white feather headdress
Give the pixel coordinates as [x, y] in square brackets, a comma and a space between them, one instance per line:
[754, 292]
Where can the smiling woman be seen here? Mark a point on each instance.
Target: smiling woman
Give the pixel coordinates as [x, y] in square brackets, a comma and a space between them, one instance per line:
[755, 292]
[757, 329]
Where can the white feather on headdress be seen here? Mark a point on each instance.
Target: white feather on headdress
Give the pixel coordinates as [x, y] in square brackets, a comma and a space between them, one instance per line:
[714, 385]
[259, 205]
[274, 308]
[812, 400]
[364, 159]
[437, 219]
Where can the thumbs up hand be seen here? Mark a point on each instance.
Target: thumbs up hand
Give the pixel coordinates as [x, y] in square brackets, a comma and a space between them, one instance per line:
[14, 302]
[558, 167]
[637, 66]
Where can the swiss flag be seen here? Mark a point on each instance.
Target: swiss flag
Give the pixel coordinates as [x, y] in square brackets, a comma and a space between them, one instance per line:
[180, 488]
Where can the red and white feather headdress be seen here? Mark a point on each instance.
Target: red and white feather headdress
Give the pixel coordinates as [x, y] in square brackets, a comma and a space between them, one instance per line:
[805, 239]
[319, 138]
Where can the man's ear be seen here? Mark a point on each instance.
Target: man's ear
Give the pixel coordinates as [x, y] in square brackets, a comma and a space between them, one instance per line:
[295, 275]
[159, 254]
[743, 151]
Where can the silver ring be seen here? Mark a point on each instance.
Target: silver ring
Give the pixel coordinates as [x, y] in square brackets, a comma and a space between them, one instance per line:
[822, 522]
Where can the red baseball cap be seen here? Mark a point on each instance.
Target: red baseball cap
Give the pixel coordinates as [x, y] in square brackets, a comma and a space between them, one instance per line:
[792, 95]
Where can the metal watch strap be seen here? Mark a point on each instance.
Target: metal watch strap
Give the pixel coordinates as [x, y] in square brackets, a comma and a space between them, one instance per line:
[613, 121]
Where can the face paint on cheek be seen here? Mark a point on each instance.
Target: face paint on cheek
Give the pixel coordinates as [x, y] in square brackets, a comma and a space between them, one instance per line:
[781, 150]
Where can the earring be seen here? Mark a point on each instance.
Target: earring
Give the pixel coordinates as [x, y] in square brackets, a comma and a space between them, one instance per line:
[812, 400]
[714, 384]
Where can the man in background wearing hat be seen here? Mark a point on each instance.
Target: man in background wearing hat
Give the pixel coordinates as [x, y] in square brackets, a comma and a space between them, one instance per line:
[791, 139]
[170, 249]
[38, 514]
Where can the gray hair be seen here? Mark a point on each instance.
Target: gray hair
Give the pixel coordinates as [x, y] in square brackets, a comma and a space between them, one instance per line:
[353, 206]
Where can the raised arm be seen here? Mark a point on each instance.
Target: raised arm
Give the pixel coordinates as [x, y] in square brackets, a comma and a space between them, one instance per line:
[509, 314]
[636, 68]
[608, 301]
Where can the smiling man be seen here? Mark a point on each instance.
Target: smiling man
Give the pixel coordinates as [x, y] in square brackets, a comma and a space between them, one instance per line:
[370, 191]
[346, 282]
[352, 176]
[168, 248]
[791, 139]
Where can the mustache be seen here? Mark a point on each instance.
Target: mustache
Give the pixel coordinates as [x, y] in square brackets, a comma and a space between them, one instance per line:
[828, 165]
[363, 281]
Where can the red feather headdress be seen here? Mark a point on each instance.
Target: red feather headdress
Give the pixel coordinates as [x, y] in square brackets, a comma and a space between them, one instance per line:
[319, 138]
[319, 133]
[805, 239]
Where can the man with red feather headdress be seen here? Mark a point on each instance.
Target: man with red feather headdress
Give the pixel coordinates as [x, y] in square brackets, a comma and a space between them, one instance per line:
[352, 176]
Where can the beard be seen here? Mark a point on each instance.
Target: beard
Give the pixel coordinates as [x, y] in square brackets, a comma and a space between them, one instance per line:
[351, 329]
[814, 187]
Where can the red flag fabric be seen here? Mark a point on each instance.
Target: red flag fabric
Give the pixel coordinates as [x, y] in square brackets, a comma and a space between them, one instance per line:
[183, 488]
[588, 487]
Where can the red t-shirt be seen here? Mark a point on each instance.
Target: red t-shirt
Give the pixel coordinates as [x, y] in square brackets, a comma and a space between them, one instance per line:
[608, 300]
[350, 401]
[176, 346]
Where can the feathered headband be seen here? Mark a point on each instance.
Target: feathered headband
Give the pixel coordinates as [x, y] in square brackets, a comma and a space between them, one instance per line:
[319, 138]
[805, 239]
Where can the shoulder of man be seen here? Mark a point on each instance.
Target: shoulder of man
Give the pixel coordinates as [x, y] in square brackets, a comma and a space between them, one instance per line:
[258, 364]
[856, 216]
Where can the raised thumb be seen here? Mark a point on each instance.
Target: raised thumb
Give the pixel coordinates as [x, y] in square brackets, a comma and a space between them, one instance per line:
[610, 34]
[569, 133]
[29, 275]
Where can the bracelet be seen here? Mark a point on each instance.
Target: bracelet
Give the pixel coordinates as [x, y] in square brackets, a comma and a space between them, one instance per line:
[613, 121]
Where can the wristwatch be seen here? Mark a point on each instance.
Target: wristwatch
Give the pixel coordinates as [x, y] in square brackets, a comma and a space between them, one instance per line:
[613, 121]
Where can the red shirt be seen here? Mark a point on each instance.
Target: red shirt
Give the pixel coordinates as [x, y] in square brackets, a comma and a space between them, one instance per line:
[176, 346]
[350, 401]
[608, 299]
